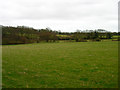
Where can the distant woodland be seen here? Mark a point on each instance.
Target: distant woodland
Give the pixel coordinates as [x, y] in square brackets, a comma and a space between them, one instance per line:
[24, 35]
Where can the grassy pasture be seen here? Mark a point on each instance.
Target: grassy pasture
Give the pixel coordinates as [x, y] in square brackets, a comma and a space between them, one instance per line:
[116, 36]
[61, 65]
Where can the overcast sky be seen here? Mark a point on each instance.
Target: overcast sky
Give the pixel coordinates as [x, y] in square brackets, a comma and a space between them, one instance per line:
[64, 15]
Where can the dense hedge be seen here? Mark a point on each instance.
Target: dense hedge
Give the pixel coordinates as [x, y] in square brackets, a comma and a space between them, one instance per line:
[23, 35]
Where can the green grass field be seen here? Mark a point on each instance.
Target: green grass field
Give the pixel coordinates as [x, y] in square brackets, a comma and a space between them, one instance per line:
[61, 65]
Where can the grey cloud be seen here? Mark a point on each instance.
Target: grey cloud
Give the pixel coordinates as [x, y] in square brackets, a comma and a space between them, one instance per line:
[84, 12]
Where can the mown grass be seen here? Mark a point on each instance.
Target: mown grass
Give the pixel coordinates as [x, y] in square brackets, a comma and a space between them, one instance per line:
[61, 65]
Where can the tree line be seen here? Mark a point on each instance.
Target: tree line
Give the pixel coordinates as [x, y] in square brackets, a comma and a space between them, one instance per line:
[24, 35]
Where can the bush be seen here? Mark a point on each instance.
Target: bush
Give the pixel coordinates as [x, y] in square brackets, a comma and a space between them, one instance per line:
[97, 39]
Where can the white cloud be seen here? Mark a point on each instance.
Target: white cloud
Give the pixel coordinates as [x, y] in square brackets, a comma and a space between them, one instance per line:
[64, 15]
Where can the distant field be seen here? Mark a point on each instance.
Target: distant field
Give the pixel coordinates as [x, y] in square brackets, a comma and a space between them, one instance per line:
[61, 65]
[116, 36]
